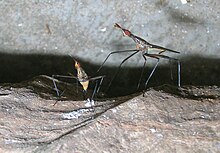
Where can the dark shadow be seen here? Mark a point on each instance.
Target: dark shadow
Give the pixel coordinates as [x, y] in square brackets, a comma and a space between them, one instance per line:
[195, 70]
[20, 67]
[177, 16]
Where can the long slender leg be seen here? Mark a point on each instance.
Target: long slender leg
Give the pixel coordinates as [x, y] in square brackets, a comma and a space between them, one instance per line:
[171, 71]
[142, 71]
[122, 51]
[60, 76]
[100, 83]
[158, 56]
[120, 68]
[173, 59]
[64, 76]
[179, 73]
[55, 87]
[95, 89]
[163, 49]
[91, 101]
[146, 83]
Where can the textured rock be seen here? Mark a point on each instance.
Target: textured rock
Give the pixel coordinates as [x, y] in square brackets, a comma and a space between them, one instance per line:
[165, 120]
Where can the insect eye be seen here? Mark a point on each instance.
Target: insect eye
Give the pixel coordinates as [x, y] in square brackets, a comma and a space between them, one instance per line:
[76, 64]
[127, 33]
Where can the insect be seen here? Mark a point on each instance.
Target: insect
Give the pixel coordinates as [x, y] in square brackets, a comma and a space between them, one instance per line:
[83, 79]
[144, 47]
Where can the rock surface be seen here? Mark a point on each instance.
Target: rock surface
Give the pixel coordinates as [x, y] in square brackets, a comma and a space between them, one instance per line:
[166, 119]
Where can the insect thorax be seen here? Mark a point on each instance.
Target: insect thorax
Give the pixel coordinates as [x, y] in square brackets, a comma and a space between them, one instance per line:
[81, 74]
[141, 44]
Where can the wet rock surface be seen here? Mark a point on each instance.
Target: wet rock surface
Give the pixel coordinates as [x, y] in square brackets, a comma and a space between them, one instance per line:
[166, 119]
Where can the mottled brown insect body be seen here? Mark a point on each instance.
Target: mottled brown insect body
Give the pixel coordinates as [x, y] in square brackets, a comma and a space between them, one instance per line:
[144, 47]
[83, 79]
[82, 76]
